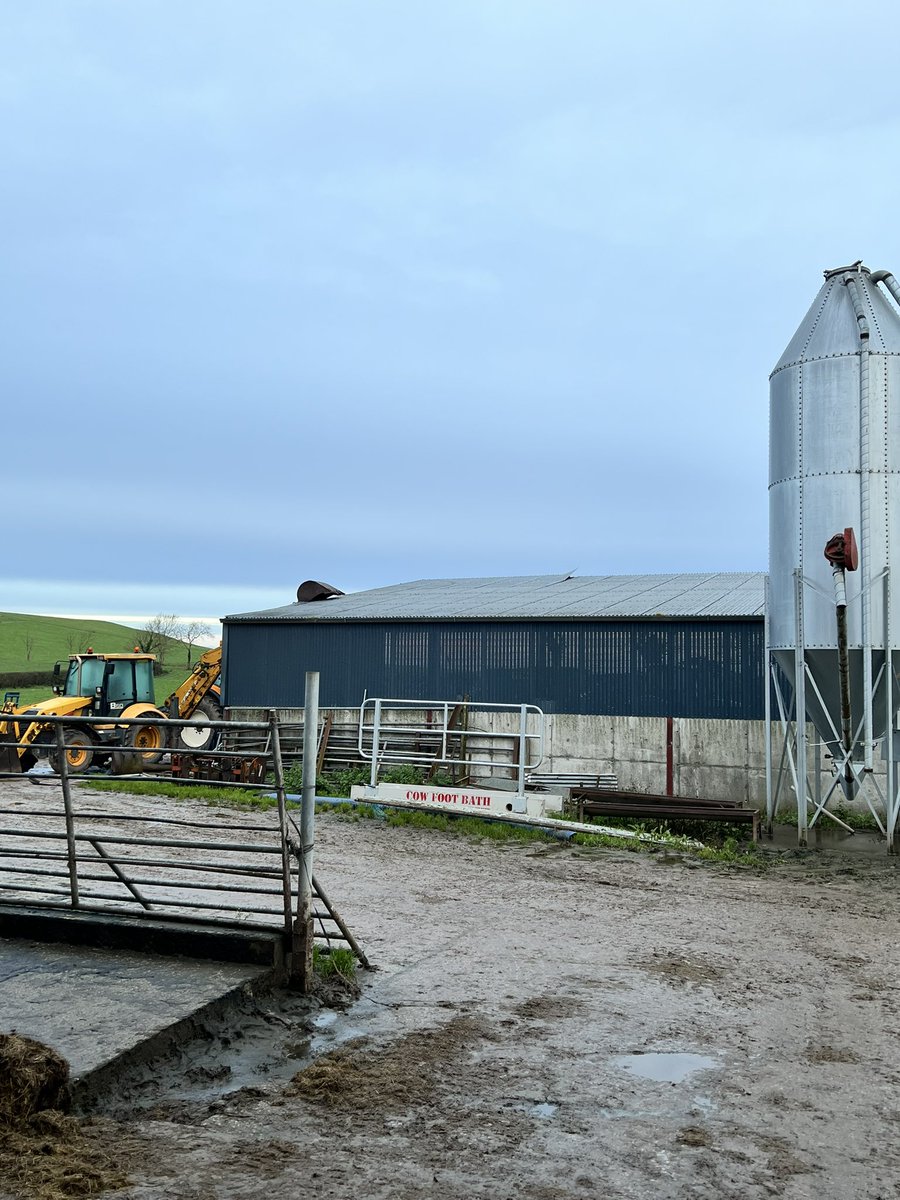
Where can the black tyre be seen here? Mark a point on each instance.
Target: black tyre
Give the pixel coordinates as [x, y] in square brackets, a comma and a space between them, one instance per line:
[198, 736]
[79, 752]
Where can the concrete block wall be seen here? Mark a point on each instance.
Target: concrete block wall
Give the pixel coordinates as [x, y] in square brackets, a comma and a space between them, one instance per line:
[715, 759]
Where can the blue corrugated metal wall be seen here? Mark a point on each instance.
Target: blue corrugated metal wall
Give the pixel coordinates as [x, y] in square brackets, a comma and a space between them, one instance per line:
[621, 668]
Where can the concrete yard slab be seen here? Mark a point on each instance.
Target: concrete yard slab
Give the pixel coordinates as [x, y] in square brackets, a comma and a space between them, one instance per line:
[94, 1006]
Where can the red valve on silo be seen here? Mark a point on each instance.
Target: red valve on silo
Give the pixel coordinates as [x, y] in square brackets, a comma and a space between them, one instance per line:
[842, 550]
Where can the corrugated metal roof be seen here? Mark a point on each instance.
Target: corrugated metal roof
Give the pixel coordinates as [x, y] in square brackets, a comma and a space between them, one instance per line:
[538, 597]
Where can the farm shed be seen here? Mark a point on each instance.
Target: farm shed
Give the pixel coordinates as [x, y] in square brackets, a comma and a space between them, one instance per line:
[620, 645]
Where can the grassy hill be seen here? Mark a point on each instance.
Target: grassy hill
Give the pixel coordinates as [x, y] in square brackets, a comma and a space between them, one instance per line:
[32, 643]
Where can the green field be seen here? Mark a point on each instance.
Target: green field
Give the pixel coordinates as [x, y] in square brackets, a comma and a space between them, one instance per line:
[32, 643]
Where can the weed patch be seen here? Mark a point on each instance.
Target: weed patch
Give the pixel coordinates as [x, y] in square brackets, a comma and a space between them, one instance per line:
[184, 791]
[334, 963]
[850, 816]
[339, 783]
[733, 851]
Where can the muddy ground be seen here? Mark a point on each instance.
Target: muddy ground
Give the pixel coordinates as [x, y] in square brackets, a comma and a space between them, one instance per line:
[552, 1022]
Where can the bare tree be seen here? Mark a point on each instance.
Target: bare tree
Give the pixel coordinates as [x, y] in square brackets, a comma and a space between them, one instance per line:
[155, 636]
[190, 632]
[78, 640]
[29, 646]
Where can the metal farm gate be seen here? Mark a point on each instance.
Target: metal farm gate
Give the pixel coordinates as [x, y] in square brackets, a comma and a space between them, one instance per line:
[65, 851]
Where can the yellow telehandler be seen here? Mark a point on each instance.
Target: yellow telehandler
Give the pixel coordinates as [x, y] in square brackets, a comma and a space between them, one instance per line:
[107, 687]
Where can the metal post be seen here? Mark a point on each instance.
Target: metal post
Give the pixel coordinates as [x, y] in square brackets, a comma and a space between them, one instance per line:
[523, 748]
[376, 735]
[302, 968]
[670, 757]
[278, 766]
[787, 745]
[892, 792]
[767, 683]
[800, 711]
[70, 820]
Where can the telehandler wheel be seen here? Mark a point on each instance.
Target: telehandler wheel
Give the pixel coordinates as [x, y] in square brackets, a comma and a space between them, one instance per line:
[79, 752]
[198, 736]
[149, 739]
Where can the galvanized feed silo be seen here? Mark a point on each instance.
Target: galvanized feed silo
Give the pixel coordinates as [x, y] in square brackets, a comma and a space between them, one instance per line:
[834, 464]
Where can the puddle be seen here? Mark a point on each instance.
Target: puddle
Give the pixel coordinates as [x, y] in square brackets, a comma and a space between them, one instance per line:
[632, 1114]
[331, 1030]
[324, 1019]
[664, 1068]
[825, 835]
[544, 1110]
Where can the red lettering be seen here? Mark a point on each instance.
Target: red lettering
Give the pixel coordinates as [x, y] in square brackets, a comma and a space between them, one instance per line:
[422, 796]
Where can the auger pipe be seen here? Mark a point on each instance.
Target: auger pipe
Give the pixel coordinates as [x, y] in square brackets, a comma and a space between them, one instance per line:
[889, 282]
[840, 603]
[865, 540]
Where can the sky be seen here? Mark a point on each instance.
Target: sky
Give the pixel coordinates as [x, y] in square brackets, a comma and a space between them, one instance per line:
[372, 292]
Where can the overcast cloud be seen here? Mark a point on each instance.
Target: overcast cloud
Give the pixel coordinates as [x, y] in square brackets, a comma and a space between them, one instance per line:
[369, 292]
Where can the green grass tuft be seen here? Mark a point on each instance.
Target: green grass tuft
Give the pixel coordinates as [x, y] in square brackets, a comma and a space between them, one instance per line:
[856, 819]
[234, 797]
[336, 962]
[733, 851]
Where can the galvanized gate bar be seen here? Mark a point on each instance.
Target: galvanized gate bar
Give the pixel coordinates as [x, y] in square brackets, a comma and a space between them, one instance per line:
[119, 873]
[132, 883]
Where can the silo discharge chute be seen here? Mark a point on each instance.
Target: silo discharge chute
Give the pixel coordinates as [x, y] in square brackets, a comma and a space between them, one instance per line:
[834, 463]
[843, 554]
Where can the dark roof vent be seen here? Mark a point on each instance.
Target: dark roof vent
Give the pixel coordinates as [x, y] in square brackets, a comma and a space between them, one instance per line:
[313, 590]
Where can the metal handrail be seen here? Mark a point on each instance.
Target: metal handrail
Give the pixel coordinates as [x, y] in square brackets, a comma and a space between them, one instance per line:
[527, 745]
